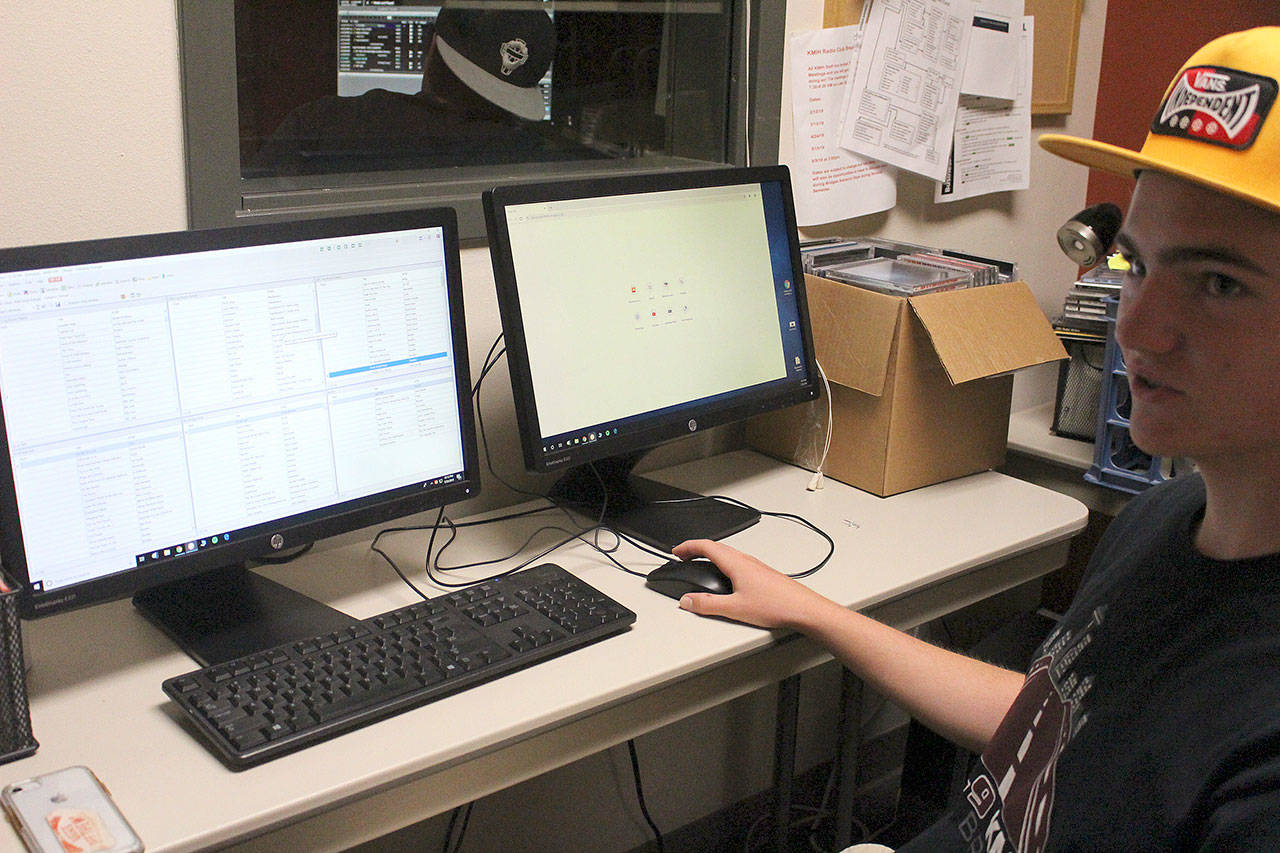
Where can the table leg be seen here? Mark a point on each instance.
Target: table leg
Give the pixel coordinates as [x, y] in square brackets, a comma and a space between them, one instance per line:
[784, 758]
[848, 745]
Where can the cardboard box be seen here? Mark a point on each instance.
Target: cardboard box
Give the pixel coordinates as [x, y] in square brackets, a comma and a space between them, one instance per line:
[920, 386]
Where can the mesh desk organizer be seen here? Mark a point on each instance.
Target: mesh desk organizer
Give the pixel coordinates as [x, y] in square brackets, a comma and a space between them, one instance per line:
[1117, 461]
[15, 716]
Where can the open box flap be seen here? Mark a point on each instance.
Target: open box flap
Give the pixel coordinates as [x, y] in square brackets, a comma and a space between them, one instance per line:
[854, 330]
[986, 331]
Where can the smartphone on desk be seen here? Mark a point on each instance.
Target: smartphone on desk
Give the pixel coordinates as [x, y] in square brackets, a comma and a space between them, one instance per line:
[68, 811]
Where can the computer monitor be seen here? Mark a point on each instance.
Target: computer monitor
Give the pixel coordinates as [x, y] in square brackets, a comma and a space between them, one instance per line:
[173, 405]
[641, 309]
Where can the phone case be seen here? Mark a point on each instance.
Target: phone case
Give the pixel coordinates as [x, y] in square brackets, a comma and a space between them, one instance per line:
[68, 811]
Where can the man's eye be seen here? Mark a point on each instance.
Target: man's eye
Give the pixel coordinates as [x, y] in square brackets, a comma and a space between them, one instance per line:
[1221, 285]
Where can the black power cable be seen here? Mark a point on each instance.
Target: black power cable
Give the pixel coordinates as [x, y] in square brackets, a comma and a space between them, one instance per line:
[452, 842]
[644, 807]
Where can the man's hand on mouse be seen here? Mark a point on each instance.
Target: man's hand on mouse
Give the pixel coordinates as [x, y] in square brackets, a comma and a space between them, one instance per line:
[761, 595]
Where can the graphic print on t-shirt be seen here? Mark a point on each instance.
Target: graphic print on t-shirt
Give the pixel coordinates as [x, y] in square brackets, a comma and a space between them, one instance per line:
[1011, 795]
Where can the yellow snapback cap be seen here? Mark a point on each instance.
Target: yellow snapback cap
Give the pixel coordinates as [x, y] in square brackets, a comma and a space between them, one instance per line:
[1212, 127]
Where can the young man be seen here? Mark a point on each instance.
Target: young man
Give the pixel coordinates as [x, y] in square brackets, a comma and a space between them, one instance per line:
[1150, 719]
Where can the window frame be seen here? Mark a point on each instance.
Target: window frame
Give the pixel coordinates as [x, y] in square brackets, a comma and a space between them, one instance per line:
[217, 195]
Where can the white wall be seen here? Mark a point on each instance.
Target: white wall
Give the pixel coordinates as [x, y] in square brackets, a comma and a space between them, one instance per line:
[92, 147]
[90, 120]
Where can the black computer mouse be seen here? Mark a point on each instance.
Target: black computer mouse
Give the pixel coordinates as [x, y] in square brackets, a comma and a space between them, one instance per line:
[677, 577]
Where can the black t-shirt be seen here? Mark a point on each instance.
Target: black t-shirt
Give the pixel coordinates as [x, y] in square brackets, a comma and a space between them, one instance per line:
[1150, 719]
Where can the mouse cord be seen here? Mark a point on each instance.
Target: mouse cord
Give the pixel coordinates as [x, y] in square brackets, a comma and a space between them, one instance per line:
[644, 807]
[804, 522]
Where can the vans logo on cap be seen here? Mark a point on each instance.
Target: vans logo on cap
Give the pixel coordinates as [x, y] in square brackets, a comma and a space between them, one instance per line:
[1217, 105]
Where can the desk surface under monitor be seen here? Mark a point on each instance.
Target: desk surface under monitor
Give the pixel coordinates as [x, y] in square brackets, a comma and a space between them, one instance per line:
[95, 680]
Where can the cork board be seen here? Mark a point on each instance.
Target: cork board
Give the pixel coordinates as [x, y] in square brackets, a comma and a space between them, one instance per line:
[841, 13]
[1053, 76]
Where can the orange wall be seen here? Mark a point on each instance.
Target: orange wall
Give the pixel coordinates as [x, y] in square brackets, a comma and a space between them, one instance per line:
[1144, 45]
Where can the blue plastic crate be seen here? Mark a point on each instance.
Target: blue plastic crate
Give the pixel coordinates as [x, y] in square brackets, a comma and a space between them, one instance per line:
[1117, 461]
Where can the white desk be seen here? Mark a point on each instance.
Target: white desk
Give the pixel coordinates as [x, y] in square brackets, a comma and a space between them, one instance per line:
[95, 683]
[1055, 462]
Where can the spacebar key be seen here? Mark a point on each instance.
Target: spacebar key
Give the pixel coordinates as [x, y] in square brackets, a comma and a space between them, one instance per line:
[362, 699]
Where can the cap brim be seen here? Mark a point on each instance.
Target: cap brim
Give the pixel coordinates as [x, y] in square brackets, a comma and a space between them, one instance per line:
[522, 101]
[1126, 163]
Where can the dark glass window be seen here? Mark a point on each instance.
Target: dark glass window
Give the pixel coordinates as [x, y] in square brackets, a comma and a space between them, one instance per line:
[371, 103]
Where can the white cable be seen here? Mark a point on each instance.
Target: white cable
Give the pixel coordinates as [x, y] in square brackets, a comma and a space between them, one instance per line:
[815, 482]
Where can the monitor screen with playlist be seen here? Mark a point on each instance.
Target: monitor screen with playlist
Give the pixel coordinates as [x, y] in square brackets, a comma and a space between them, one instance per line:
[642, 309]
[177, 403]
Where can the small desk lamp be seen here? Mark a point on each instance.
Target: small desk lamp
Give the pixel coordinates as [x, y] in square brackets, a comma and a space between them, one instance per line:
[1086, 237]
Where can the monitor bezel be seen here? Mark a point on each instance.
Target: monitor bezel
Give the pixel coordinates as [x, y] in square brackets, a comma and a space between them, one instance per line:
[295, 530]
[660, 426]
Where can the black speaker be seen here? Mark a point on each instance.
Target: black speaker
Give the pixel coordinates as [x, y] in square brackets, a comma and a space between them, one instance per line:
[1075, 413]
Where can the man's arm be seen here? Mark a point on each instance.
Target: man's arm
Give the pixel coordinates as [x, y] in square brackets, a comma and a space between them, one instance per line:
[960, 698]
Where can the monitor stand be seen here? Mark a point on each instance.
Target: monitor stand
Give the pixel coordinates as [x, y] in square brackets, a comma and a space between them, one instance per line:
[230, 612]
[654, 513]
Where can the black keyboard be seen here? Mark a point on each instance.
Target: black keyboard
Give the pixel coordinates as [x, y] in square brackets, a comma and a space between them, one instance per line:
[272, 702]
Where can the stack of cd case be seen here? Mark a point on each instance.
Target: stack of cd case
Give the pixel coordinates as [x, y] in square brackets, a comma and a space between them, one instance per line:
[896, 276]
[980, 274]
[901, 269]
[821, 254]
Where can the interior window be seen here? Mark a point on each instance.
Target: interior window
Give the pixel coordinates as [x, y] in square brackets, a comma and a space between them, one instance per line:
[317, 106]
[377, 86]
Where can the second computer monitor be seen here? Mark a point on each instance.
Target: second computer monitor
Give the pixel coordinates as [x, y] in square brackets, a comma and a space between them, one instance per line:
[642, 309]
[177, 404]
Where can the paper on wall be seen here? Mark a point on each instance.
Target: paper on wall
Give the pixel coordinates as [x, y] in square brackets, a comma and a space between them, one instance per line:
[901, 104]
[992, 149]
[991, 69]
[831, 183]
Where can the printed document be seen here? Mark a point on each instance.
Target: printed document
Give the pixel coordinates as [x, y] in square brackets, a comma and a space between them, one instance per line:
[831, 183]
[992, 150]
[901, 105]
[992, 68]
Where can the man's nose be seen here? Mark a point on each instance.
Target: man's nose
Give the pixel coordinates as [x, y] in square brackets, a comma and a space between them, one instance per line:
[1147, 318]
